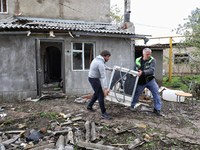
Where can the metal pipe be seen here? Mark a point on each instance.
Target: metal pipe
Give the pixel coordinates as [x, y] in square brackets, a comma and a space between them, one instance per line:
[13, 32]
[170, 59]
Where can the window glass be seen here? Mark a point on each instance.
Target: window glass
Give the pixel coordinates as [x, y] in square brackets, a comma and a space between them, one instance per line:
[82, 55]
[3, 6]
[77, 60]
[88, 54]
[77, 46]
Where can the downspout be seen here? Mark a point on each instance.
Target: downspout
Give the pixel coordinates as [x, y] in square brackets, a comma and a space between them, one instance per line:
[132, 54]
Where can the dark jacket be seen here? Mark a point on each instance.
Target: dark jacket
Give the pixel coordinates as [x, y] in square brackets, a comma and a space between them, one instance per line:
[148, 69]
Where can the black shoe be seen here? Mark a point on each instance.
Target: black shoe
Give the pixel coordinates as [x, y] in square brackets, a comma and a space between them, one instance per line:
[105, 116]
[90, 108]
[157, 112]
[132, 109]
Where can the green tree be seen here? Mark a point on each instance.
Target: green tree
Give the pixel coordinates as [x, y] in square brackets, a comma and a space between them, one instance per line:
[191, 31]
[116, 15]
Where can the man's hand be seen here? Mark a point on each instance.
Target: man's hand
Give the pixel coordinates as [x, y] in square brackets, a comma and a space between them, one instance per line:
[111, 69]
[139, 73]
[106, 91]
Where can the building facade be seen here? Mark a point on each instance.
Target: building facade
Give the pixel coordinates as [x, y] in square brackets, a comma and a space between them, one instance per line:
[45, 41]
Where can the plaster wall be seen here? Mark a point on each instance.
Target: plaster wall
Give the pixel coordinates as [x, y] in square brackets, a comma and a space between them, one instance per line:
[77, 81]
[177, 69]
[157, 54]
[17, 68]
[80, 10]
[18, 65]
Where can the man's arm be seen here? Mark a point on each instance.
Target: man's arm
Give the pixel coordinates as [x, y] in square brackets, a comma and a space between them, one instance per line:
[108, 68]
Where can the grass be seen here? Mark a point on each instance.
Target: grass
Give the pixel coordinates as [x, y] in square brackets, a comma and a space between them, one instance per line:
[48, 115]
[9, 122]
[177, 84]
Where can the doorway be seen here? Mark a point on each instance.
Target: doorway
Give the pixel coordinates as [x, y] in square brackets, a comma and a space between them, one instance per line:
[50, 66]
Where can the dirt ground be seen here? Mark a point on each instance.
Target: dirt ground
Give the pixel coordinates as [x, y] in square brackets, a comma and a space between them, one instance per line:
[175, 130]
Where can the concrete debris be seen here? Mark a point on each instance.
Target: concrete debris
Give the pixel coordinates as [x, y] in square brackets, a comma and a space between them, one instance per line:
[165, 140]
[70, 137]
[139, 103]
[97, 146]
[35, 136]
[122, 129]
[141, 126]
[137, 142]
[2, 147]
[81, 100]
[66, 123]
[7, 142]
[3, 115]
[87, 127]
[77, 118]
[144, 108]
[60, 143]
[47, 96]
[65, 116]
[93, 132]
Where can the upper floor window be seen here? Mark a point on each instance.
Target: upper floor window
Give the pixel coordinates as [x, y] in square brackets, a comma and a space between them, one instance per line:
[82, 55]
[3, 6]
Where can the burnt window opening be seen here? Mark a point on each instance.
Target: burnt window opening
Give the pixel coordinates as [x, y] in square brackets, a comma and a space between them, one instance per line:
[3, 6]
[181, 58]
[82, 55]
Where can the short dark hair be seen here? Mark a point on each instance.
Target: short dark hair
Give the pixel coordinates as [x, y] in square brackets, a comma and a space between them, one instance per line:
[105, 53]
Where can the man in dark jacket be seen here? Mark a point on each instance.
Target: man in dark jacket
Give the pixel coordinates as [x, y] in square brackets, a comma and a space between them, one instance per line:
[145, 66]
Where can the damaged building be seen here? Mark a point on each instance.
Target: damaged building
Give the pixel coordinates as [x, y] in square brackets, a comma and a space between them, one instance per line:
[53, 41]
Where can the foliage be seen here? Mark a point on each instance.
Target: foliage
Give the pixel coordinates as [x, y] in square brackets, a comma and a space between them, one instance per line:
[182, 83]
[191, 31]
[116, 15]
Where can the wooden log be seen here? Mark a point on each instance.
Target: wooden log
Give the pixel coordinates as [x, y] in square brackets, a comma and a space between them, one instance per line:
[97, 146]
[60, 143]
[87, 127]
[93, 132]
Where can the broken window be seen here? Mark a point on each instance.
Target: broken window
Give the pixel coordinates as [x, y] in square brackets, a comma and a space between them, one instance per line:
[83, 54]
[181, 58]
[3, 6]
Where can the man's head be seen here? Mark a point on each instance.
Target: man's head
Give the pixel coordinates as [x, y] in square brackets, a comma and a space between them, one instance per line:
[146, 54]
[106, 55]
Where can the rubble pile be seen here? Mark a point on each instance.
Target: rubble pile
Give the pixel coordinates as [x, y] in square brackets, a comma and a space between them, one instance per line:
[67, 135]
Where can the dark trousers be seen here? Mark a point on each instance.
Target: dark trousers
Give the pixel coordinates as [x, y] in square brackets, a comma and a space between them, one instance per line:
[98, 94]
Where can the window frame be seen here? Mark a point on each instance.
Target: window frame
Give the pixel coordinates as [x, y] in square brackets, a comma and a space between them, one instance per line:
[178, 57]
[81, 51]
[2, 12]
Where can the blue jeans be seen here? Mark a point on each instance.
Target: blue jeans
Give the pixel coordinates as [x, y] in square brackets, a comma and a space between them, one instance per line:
[153, 87]
[98, 94]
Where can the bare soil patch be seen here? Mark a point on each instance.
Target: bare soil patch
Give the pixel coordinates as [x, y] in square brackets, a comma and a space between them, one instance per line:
[172, 131]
